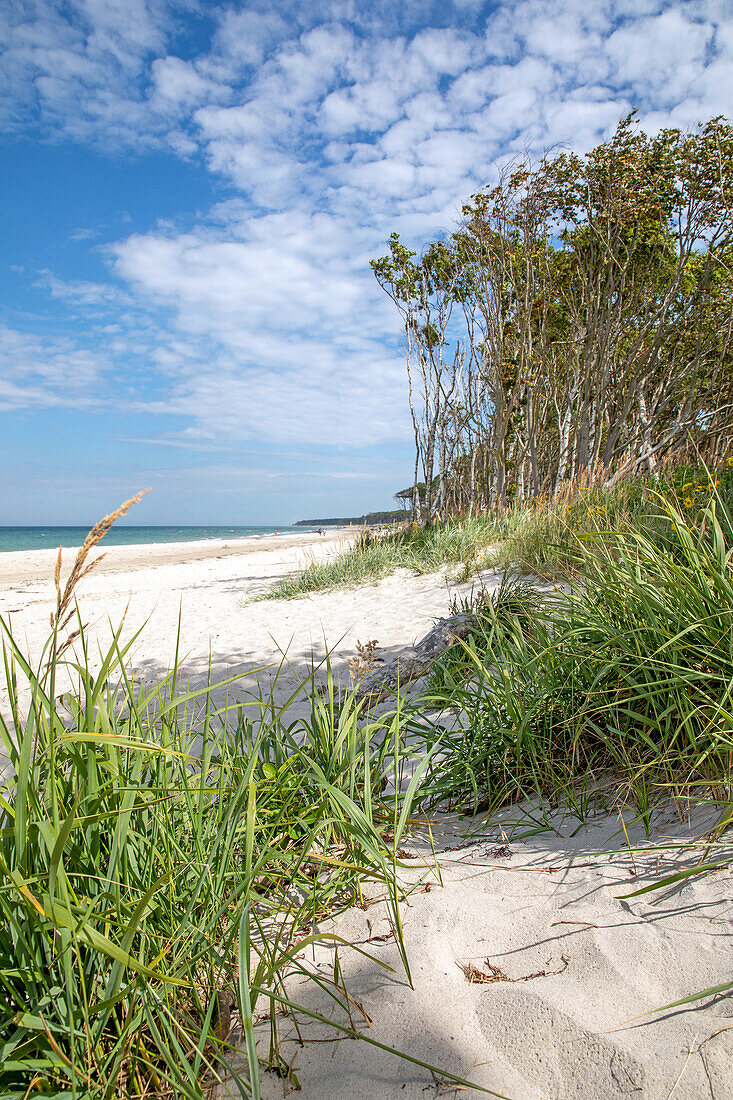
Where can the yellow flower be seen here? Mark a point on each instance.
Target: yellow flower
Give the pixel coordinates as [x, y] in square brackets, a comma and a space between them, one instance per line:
[568, 507]
[687, 485]
[688, 503]
[717, 483]
[730, 461]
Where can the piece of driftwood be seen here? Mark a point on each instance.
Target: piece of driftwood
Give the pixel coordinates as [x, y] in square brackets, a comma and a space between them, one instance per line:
[416, 661]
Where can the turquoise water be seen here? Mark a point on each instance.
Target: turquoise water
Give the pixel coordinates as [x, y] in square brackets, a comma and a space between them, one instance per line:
[41, 538]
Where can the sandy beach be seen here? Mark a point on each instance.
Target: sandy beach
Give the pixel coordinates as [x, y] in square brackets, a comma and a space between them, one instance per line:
[212, 586]
[574, 961]
[530, 969]
[19, 567]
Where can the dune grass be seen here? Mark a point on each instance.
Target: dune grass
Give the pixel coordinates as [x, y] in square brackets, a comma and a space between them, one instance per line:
[421, 549]
[629, 678]
[617, 693]
[543, 537]
[540, 537]
[164, 864]
[144, 853]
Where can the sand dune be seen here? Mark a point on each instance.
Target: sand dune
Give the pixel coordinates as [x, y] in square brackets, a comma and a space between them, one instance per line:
[526, 903]
[574, 962]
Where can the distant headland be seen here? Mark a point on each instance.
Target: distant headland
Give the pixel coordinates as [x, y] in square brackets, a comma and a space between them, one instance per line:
[361, 521]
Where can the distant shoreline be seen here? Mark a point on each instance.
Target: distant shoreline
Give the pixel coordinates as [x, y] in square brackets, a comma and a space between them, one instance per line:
[22, 537]
[27, 566]
[369, 519]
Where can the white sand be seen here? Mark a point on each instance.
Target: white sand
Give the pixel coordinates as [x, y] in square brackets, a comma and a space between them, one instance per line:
[211, 585]
[555, 1037]
[546, 903]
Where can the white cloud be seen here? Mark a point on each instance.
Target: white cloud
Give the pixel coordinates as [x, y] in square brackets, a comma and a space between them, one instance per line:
[284, 339]
[47, 373]
[667, 70]
[242, 39]
[78, 67]
[82, 292]
[179, 84]
[336, 123]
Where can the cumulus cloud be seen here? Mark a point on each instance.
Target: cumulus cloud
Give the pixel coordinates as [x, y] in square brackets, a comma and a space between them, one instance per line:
[82, 292]
[335, 124]
[78, 67]
[178, 85]
[279, 311]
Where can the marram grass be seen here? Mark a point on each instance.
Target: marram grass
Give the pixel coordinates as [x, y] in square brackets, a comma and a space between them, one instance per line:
[627, 678]
[165, 862]
[541, 537]
[464, 543]
[129, 862]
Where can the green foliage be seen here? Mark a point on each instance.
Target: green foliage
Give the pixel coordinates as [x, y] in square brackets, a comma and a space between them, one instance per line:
[629, 676]
[593, 303]
[514, 599]
[161, 858]
[544, 536]
[354, 521]
[421, 549]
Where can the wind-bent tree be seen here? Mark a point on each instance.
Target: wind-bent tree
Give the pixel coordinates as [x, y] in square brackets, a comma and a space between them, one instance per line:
[425, 294]
[577, 322]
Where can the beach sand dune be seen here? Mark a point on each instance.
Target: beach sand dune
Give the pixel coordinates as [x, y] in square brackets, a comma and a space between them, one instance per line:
[529, 968]
[545, 904]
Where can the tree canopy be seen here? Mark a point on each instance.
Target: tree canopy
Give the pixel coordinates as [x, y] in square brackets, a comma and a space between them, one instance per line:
[577, 322]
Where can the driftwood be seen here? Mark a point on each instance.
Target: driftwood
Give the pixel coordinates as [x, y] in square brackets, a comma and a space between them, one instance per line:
[416, 661]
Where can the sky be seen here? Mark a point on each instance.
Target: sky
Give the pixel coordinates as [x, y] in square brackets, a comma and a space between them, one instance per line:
[191, 192]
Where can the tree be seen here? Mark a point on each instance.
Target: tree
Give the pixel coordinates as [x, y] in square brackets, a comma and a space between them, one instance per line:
[578, 321]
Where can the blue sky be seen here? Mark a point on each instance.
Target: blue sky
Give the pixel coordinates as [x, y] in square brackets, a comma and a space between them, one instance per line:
[190, 194]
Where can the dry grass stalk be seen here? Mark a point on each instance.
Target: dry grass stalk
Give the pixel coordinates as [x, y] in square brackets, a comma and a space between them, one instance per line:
[364, 661]
[61, 618]
[494, 974]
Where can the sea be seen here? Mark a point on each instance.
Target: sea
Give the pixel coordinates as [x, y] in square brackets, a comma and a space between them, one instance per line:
[47, 537]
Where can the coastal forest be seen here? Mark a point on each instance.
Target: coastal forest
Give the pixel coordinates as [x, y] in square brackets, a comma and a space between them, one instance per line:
[576, 324]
